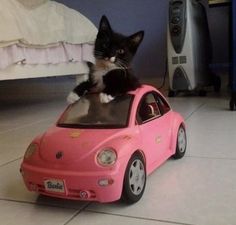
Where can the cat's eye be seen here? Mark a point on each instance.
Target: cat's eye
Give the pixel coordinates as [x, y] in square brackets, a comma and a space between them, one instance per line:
[120, 51]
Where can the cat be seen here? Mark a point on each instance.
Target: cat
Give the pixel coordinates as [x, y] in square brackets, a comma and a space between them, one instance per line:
[111, 75]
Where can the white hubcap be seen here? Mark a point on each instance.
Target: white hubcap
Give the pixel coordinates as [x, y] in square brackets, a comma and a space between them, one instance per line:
[136, 177]
[181, 140]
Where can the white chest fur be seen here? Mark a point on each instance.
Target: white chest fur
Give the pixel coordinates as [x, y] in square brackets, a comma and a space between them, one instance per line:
[99, 72]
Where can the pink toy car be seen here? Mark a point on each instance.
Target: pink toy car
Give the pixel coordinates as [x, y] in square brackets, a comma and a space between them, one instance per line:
[102, 152]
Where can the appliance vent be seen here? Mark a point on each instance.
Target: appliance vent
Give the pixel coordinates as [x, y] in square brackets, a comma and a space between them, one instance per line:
[183, 59]
[175, 60]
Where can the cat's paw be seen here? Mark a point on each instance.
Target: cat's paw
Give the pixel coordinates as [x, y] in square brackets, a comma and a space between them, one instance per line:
[104, 98]
[72, 97]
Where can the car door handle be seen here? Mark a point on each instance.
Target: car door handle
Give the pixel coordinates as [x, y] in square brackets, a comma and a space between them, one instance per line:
[158, 139]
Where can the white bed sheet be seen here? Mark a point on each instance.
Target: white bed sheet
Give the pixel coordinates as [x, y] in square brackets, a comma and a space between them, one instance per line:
[42, 26]
[34, 71]
[47, 24]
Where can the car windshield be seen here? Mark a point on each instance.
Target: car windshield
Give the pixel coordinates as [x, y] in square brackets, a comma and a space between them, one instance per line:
[90, 112]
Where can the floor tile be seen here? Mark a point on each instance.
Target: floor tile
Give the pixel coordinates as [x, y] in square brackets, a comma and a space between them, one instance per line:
[12, 188]
[199, 189]
[186, 107]
[14, 144]
[17, 132]
[88, 218]
[191, 190]
[211, 132]
[13, 213]
[21, 115]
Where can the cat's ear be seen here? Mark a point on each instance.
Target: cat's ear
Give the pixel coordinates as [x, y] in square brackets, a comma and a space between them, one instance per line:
[104, 24]
[136, 38]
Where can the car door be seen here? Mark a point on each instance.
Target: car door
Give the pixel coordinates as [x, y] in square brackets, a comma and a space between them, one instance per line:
[154, 124]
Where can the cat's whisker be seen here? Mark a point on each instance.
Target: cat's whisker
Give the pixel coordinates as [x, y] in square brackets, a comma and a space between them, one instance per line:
[121, 64]
[98, 56]
[98, 53]
[123, 61]
[113, 59]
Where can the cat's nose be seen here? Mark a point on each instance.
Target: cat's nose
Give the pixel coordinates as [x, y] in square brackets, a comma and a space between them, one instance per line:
[113, 59]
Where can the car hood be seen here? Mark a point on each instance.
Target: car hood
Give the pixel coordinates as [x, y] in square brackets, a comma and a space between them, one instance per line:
[68, 144]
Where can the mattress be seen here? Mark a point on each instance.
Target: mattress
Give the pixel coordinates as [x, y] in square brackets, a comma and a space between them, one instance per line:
[34, 71]
[47, 24]
[43, 38]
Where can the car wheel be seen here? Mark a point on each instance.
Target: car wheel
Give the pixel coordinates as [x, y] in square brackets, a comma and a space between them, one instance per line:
[134, 180]
[202, 93]
[181, 143]
[172, 93]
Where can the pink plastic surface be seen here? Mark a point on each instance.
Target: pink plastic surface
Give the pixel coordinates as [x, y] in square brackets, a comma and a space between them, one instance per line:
[77, 168]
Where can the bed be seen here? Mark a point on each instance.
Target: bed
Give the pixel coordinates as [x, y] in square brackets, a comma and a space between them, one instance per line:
[42, 38]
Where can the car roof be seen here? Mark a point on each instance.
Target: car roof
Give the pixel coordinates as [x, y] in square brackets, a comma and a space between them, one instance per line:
[144, 89]
[138, 95]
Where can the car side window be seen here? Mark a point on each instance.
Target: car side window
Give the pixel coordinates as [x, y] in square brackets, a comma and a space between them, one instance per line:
[148, 109]
[163, 105]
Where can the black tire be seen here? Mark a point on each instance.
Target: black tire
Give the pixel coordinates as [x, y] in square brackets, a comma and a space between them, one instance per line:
[202, 93]
[232, 102]
[181, 143]
[231, 105]
[172, 93]
[134, 180]
[217, 84]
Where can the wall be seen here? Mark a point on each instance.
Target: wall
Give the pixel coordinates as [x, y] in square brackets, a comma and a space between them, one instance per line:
[129, 16]
[219, 23]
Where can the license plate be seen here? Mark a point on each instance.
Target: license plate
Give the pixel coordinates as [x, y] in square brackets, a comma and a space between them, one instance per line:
[54, 185]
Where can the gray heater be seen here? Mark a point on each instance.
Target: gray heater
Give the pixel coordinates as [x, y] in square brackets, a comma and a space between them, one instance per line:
[188, 42]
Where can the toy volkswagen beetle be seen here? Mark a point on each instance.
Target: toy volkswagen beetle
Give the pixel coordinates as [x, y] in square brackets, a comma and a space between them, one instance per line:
[102, 152]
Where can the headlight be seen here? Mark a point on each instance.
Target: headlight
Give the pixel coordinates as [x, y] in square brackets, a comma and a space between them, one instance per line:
[31, 150]
[107, 157]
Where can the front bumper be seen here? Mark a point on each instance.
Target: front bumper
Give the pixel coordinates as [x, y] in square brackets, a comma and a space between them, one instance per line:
[76, 185]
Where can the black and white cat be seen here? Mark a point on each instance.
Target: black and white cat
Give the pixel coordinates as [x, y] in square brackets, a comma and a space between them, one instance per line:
[112, 74]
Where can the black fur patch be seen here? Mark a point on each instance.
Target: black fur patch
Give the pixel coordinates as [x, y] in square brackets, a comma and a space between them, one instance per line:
[113, 50]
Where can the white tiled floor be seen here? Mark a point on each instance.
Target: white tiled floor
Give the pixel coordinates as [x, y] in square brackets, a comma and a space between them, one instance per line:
[199, 189]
